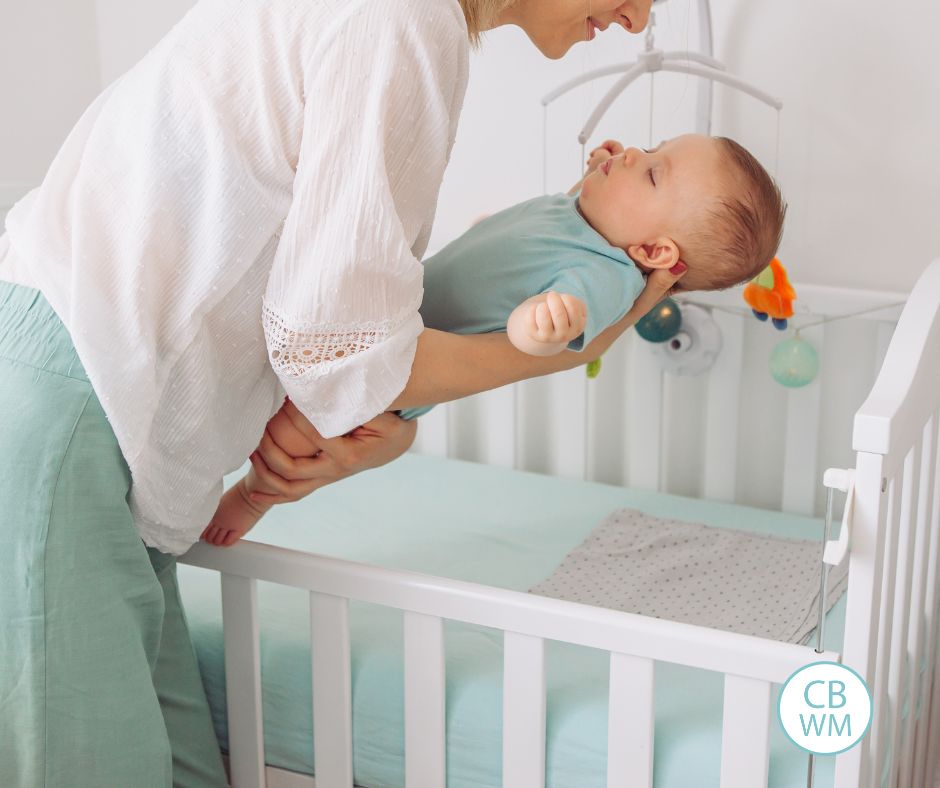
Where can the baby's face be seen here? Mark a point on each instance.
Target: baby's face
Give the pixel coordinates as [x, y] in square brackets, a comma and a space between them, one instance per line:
[640, 197]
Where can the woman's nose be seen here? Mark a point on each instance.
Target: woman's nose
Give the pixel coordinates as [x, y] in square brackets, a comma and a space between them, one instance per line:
[637, 12]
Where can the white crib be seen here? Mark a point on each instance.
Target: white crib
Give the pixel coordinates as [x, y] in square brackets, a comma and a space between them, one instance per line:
[892, 593]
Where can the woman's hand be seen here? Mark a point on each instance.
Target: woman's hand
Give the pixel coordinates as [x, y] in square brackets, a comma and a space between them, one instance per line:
[658, 285]
[375, 443]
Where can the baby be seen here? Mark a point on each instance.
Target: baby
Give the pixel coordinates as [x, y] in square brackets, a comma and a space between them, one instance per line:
[555, 271]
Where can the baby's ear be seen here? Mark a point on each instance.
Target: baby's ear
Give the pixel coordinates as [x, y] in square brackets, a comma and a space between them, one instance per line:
[663, 253]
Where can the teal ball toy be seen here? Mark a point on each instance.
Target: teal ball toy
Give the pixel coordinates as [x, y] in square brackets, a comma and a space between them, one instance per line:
[794, 363]
[662, 322]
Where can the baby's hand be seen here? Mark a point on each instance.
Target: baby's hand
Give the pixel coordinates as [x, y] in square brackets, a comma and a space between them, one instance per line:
[545, 324]
[608, 149]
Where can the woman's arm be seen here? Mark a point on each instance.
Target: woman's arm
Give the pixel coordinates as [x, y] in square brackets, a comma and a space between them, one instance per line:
[446, 367]
[450, 366]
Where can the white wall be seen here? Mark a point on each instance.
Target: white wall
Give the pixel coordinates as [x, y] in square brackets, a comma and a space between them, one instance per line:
[50, 73]
[127, 29]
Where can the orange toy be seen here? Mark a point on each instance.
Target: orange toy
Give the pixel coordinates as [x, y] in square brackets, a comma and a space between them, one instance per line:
[770, 294]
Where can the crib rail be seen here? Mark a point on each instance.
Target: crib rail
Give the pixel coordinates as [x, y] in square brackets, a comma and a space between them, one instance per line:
[891, 629]
[751, 665]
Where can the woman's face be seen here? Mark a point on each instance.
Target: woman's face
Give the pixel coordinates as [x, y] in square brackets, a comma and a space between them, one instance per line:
[554, 26]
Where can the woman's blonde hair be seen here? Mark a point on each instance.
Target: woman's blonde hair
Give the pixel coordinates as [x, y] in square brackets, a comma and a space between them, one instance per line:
[481, 15]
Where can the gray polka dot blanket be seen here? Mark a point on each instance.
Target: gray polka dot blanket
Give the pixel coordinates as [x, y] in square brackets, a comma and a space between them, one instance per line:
[715, 577]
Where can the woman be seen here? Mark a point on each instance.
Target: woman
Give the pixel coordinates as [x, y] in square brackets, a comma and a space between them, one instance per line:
[240, 215]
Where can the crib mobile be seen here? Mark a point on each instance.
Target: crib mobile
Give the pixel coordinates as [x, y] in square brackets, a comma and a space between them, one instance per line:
[687, 339]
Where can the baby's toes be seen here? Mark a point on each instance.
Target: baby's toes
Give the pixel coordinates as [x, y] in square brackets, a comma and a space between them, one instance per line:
[229, 538]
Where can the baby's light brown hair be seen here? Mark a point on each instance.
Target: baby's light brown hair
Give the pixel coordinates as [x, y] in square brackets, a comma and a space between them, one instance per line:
[736, 240]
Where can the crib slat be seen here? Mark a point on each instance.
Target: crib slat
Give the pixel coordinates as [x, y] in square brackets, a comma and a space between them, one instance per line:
[800, 471]
[863, 603]
[881, 731]
[721, 425]
[433, 435]
[569, 441]
[630, 722]
[243, 681]
[933, 729]
[915, 647]
[897, 675]
[931, 599]
[424, 701]
[644, 418]
[332, 697]
[498, 415]
[523, 711]
[591, 425]
[746, 718]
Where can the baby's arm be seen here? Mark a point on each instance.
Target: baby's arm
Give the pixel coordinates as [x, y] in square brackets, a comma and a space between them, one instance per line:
[544, 324]
[243, 505]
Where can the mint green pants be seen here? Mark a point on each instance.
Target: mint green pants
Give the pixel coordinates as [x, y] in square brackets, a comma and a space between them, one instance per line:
[99, 684]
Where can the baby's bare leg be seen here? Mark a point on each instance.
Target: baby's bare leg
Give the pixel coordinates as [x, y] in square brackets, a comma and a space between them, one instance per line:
[238, 512]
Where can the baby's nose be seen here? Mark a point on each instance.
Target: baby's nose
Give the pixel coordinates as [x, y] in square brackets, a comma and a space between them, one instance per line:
[630, 155]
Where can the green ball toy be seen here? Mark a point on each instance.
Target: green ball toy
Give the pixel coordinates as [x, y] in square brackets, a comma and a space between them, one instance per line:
[660, 323]
[794, 363]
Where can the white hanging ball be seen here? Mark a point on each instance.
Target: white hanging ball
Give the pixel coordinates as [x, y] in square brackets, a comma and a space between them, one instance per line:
[694, 349]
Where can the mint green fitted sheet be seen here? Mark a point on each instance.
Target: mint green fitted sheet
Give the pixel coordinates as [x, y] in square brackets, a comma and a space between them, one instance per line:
[487, 525]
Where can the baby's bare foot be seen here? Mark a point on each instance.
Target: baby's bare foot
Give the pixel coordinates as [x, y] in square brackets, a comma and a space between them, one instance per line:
[236, 515]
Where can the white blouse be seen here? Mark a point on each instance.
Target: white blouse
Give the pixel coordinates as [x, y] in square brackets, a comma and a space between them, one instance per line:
[242, 215]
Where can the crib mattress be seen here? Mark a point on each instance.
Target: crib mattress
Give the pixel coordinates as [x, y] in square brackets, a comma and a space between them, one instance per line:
[486, 525]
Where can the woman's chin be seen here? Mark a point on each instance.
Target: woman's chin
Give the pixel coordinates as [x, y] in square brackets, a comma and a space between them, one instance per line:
[553, 50]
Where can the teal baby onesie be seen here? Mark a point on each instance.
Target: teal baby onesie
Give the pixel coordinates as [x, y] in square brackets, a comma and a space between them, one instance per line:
[472, 285]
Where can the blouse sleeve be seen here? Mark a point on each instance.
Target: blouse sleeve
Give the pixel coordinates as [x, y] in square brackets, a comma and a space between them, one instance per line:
[381, 98]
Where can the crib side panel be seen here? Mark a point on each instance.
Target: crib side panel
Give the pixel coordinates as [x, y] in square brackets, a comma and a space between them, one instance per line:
[891, 632]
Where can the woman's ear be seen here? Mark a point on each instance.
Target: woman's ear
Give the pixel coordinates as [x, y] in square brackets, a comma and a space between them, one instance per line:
[663, 253]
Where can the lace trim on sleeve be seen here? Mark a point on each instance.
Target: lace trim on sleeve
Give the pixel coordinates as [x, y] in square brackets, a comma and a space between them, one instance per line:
[299, 347]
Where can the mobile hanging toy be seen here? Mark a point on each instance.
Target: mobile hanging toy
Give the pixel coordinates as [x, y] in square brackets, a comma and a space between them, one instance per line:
[770, 294]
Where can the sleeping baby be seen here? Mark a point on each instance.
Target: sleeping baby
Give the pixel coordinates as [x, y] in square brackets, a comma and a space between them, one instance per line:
[555, 271]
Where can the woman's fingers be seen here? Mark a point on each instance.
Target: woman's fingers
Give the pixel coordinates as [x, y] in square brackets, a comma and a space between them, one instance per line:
[300, 423]
[658, 285]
